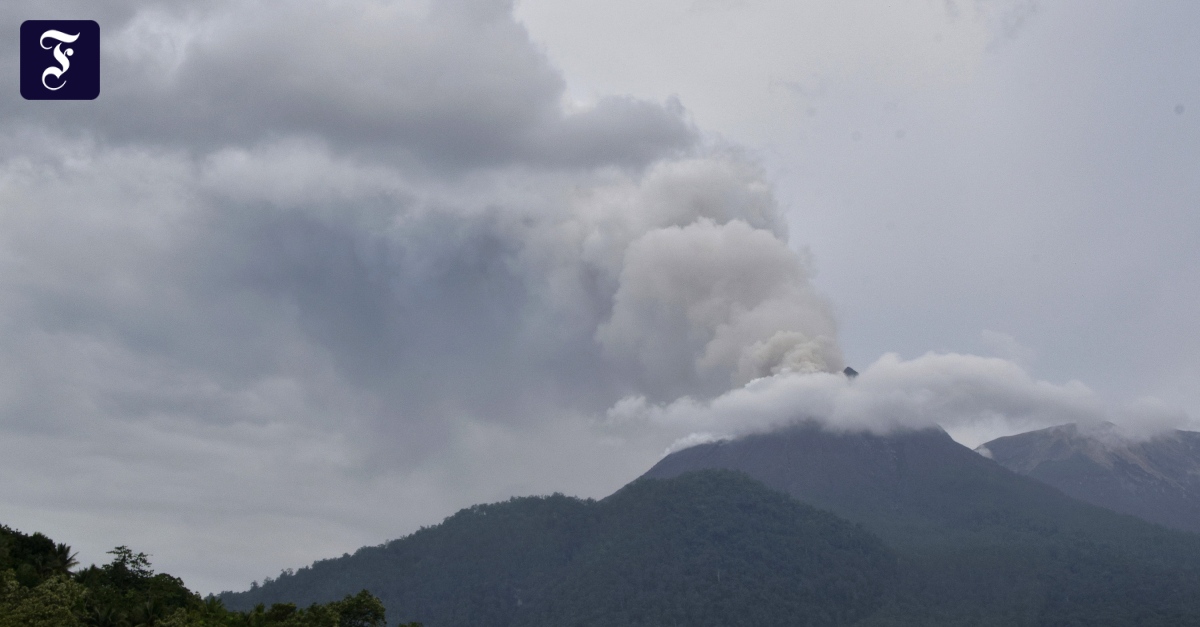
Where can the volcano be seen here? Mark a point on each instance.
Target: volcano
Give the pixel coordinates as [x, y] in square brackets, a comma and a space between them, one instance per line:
[909, 486]
[917, 530]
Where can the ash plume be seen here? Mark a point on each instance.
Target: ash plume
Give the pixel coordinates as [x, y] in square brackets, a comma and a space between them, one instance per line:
[972, 397]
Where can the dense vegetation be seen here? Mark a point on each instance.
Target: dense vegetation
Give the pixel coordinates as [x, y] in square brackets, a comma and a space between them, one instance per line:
[979, 544]
[711, 548]
[920, 531]
[1156, 480]
[39, 589]
[937, 535]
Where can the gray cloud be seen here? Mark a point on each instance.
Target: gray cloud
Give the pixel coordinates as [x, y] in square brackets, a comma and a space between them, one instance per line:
[301, 260]
[974, 398]
[728, 303]
[457, 86]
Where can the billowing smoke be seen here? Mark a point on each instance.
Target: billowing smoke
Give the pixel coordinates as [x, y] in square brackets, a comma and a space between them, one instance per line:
[970, 396]
[423, 237]
[718, 301]
[300, 259]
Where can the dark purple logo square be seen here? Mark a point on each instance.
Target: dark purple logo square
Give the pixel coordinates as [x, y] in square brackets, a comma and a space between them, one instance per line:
[60, 60]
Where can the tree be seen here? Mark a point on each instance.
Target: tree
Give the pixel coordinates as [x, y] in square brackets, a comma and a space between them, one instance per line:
[65, 559]
[55, 602]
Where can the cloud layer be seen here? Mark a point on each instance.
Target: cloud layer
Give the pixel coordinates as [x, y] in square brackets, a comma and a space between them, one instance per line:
[302, 259]
[446, 85]
[972, 397]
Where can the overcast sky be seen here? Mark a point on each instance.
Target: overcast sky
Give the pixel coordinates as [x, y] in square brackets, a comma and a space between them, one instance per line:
[309, 275]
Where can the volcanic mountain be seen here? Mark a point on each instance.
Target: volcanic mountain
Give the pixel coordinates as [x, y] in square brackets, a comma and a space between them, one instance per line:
[910, 486]
[1156, 479]
[712, 548]
[917, 530]
[976, 536]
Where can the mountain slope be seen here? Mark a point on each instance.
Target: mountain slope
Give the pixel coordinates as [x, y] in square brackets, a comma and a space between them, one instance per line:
[1157, 480]
[960, 541]
[978, 542]
[711, 548]
[913, 486]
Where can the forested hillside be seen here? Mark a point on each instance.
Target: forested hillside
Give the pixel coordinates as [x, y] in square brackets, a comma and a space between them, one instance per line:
[978, 541]
[38, 588]
[924, 534]
[936, 535]
[1156, 479]
[706, 549]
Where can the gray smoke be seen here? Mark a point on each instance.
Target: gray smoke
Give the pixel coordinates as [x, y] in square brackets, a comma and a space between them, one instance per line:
[300, 259]
[974, 398]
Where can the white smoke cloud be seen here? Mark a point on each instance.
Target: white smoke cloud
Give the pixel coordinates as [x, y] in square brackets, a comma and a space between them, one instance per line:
[968, 395]
[727, 303]
[269, 281]
[692, 439]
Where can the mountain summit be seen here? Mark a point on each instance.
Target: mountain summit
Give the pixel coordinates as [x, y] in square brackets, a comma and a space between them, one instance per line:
[978, 539]
[944, 537]
[1157, 479]
[910, 486]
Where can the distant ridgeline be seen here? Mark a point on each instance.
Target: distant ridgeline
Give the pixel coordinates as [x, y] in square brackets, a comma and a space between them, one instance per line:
[1156, 479]
[39, 589]
[913, 529]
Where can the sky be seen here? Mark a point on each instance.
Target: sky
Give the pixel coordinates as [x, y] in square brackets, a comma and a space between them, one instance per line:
[308, 276]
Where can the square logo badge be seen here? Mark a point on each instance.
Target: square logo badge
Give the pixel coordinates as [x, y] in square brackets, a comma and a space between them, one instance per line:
[60, 60]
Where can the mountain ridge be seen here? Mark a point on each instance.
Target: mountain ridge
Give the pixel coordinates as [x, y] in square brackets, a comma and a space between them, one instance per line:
[945, 537]
[899, 484]
[713, 548]
[1156, 479]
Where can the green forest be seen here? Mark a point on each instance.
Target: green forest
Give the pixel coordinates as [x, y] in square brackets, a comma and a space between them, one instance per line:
[40, 586]
[708, 548]
[715, 548]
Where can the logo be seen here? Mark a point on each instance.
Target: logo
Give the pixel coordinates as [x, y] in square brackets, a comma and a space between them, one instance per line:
[60, 60]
